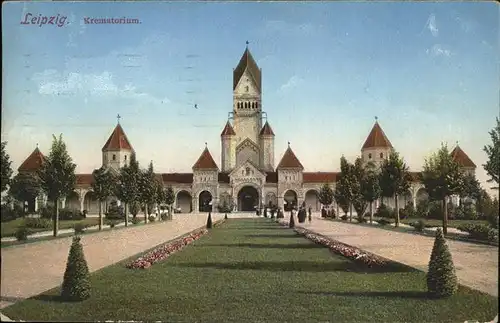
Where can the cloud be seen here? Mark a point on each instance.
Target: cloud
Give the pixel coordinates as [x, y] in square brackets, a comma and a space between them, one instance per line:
[439, 50]
[54, 83]
[432, 26]
[292, 82]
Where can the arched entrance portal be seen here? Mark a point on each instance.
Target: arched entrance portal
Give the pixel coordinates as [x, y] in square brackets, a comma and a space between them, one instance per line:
[248, 199]
[290, 200]
[184, 202]
[312, 200]
[204, 202]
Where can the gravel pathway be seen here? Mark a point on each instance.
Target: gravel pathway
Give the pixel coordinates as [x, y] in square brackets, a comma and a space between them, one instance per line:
[476, 264]
[30, 269]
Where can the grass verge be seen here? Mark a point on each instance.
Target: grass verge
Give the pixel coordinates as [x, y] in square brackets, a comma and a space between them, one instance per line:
[255, 270]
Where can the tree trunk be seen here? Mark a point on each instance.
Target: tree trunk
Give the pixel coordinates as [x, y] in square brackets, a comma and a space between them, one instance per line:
[146, 213]
[371, 212]
[445, 215]
[396, 205]
[100, 215]
[56, 218]
[350, 212]
[125, 210]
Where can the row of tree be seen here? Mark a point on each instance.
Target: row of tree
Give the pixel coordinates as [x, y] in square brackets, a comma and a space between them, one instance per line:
[359, 185]
[57, 179]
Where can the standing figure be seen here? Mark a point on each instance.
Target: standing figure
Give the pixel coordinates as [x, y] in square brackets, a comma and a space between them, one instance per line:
[310, 214]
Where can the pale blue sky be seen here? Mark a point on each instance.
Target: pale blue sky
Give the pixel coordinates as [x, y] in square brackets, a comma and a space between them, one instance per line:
[429, 71]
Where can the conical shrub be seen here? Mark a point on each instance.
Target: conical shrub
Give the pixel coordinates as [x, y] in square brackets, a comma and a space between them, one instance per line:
[292, 221]
[441, 277]
[76, 282]
[209, 220]
[225, 216]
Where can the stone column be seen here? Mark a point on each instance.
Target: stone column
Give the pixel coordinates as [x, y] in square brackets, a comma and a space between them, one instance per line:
[415, 202]
[280, 203]
[63, 203]
[196, 207]
[36, 204]
[81, 199]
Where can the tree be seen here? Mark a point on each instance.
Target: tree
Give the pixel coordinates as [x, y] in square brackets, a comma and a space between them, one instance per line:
[169, 198]
[492, 166]
[370, 189]
[127, 189]
[103, 186]
[441, 277]
[76, 282]
[57, 176]
[470, 187]
[325, 195]
[147, 189]
[345, 188]
[394, 179]
[25, 186]
[159, 196]
[442, 178]
[6, 167]
[358, 176]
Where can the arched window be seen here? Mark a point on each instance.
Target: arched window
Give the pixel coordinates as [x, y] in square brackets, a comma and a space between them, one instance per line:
[381, 155]
[246, 88]
[125, 158]
[114, 157]
[369, 156]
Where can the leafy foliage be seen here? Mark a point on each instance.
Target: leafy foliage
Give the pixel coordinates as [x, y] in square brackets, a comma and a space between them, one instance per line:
[492, 166]
[394, 179]
[441, 278]
[370, 188]
[22, 233]
[470, 187]
[103, 186]
[25, 186]
[76, 282]
[6, 167]
[326, 196]
[57, 175]
[169, 195]
[442, 177]
[147, 187]
[127, 189]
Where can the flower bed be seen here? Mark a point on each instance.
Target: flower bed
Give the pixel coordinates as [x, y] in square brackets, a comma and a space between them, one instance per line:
[164, 251]
[350, 252]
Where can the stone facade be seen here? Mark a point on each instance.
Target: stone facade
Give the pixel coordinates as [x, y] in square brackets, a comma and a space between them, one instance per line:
[248, 177]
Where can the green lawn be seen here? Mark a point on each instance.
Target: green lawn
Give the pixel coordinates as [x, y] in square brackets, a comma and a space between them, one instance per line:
[439, 223]
[254, 270]
[9, 228]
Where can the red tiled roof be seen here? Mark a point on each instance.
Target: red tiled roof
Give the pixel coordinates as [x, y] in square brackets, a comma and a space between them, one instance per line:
[319, 177]
[33, 162]
[289, 160]
[223, 178]
[272, 177]
[84, 179]
[377, 138]
[247, 62]
[118, 140]
[180, 178]
[266, 130]
[461, 158]
[228, 130]
[205, 161]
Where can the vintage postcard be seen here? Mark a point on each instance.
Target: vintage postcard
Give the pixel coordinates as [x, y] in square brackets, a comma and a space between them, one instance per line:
[196, 161]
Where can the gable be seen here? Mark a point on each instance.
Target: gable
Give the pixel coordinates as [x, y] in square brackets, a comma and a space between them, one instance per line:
[245, 81]
[247, 172]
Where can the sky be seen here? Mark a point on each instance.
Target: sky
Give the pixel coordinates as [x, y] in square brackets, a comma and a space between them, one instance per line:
[428, 71]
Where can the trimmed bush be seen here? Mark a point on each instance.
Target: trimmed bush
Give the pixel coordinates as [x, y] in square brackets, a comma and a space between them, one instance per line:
[225, 216]
[209, 220]
[383, 222]
[441, 277]
[479, 232]
[291, 224]
[115, 212]
[384, 211]
[344, 217]
[152, 218]
[136, 220]
[361, 219]
[8, 214]
[76, 282]
[419, 225]
[70, 214]
[111, 223]
[37, 223]
[79, 227]
[22, 233]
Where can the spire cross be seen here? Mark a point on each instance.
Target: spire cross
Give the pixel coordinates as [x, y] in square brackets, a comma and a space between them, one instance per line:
[247, 43]
[118, 117]
[376, 118]
[37, 145]
[288, 144]
[205, 145]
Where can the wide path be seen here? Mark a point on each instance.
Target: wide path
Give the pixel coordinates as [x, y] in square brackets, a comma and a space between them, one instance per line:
[476, 265]
[30, 269]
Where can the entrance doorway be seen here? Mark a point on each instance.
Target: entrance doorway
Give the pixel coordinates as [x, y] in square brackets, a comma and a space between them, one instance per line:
[205, 202]
[248, 199]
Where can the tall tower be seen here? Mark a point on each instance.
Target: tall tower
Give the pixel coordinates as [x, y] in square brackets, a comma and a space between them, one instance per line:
[376, 147]
[117, 150]
[247, 95]
[228, 148]
[267, 148]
